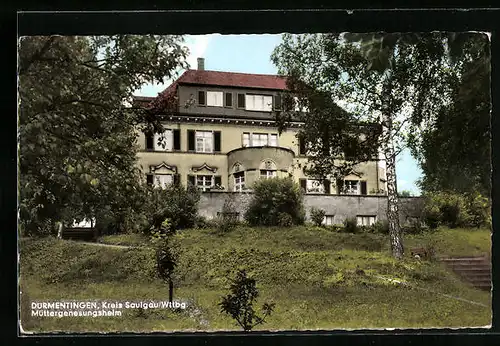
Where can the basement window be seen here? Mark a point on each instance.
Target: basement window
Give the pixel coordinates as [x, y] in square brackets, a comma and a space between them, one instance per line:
[365, 220]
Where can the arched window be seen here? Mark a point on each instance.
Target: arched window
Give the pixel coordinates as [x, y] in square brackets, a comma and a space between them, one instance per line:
[267, 169]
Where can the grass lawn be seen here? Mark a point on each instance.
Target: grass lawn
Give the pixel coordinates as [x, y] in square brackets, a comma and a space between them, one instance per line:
[317, 279]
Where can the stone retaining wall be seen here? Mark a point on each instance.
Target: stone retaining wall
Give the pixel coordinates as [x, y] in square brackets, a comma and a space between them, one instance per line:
[340, 206]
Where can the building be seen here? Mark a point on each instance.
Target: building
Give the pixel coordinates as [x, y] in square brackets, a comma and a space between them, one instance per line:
[220, 134]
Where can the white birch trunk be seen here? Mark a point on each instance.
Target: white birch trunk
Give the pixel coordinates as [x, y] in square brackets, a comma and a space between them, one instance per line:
[390, 158]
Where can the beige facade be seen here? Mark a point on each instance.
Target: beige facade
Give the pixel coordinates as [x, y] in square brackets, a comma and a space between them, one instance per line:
[222, 145]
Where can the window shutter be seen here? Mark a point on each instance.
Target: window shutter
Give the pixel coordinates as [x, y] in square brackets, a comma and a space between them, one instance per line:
[149, 141]
[241, 100]
[303, 184]
[191, 179]
[363, 188]
[327, 186]
[201, 98]
[191, 140]
[217, 140]
[229, 100]
[218, 180]
[277, 102]
[177, 179]
[302, 146]
[339, 186]
[149, 179]
[177, 139]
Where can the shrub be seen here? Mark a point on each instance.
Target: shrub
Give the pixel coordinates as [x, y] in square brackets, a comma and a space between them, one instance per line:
[178, 204]
[239, 303]
[317, 216]
[456, 210]
[350, 225]
[478, 210]
[272, 199]
[381, 227]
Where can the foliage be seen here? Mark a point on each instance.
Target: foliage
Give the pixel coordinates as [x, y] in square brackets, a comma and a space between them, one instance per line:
[174, 202]
[77, 139]
[405, 193]
[351, 225]
[239, 304]
[457, 210]
[454, 148]
[317, 216]
[272, 200]
[381, 227]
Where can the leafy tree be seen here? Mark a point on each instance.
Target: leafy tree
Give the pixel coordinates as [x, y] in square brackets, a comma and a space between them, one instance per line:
[404, 193]
[383, 81]
[454, 149]
[317, 216]
[77, 151]
[239, 304]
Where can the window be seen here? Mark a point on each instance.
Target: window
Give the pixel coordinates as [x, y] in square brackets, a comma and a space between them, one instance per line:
[258, 103]
[204, 141]
[163, 180]
[239, 181]
[259, 139]
[365, 220]
[246, 139]
[314, 186]
[204, 182]
[229, 100]
[298, 108]
[267, 174]
[214, 98]
[328, 220]
[166, 143]
[273, 140]
[351, 187]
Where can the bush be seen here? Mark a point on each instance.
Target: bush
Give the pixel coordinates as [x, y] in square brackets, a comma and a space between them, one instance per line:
[478, 210]
[381, 227]
[317, 216]
[272, 199]
[178, 204]
[351, 225]
[456, 210]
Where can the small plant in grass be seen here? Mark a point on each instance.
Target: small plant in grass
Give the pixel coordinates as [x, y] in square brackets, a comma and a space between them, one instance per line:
[350, 225]
[239, 303]
[317, 216]
[166, 256]
[227, 219]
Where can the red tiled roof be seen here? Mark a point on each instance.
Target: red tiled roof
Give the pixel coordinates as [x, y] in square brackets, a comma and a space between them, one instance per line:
[167, 98]
[233, 79]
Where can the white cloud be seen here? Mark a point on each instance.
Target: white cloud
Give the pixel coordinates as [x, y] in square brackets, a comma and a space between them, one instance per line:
[402, 182]
[197, 46]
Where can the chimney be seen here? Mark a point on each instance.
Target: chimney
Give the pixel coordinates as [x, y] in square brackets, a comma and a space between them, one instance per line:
[201, 64]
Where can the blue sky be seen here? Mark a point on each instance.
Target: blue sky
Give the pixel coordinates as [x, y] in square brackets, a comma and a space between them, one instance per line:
[251, 54]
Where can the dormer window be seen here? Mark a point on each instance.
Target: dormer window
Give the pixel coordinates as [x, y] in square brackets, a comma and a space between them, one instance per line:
[262, 103]
[215, 98]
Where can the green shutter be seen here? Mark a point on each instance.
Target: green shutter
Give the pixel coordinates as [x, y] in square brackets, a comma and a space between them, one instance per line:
[241, 100]
[218, 180]
[191, 179]
[177, 179]
[149, 141]
[217, 141]
[191, 142]
[327, 186]
[303, 184]
[201, 98]
[177, 139]
[363, 188]
[149, 179]
[339, 183]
